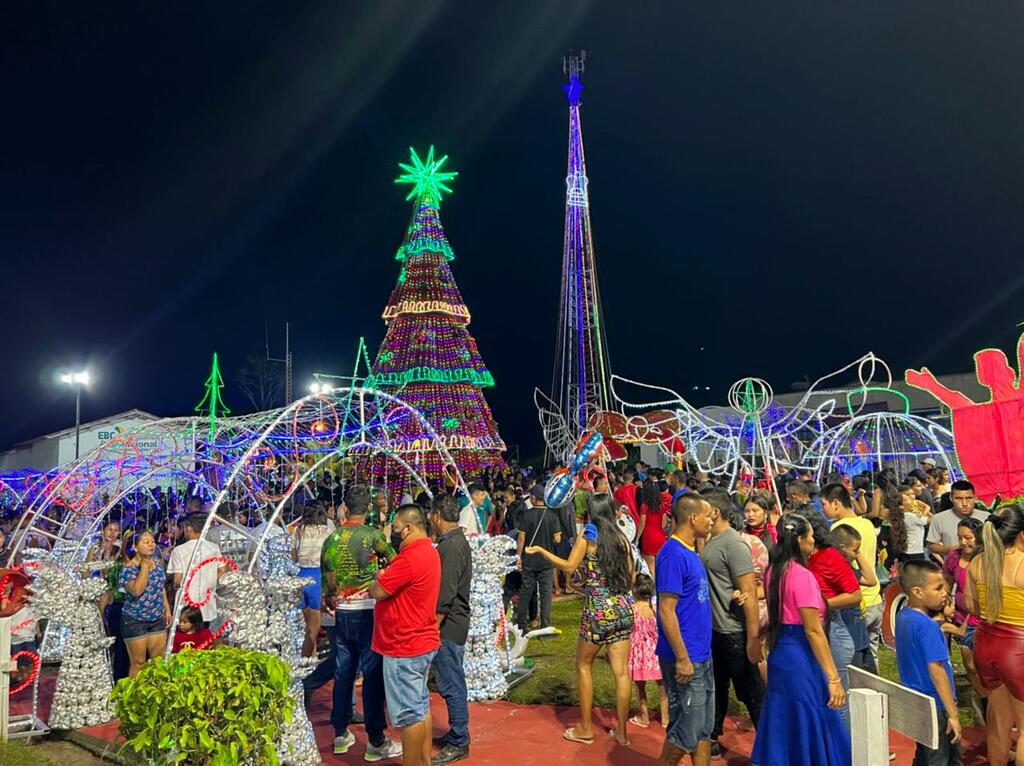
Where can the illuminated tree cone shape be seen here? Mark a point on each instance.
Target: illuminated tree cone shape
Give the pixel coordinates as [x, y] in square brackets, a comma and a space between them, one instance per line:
[580, 382]
[988, 436]
[427, 354]
[212, 404]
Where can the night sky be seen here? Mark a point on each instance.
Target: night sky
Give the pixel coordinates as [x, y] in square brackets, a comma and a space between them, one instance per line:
[787, 186]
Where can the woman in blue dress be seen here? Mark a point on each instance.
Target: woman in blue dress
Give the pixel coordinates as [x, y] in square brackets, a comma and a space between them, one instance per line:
[799, 723]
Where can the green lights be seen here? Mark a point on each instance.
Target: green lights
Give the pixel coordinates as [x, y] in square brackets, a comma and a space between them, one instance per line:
[212, 403]
[426, 176]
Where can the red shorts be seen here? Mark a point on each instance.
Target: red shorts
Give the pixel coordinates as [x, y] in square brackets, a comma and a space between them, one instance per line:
[999, 656]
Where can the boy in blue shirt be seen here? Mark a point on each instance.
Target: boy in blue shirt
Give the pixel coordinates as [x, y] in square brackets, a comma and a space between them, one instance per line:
[922, 657]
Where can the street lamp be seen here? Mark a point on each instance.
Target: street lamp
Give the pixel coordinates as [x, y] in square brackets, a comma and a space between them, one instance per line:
[77, 380]
[320, 388]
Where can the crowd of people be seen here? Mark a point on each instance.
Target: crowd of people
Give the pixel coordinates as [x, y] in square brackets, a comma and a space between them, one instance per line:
[770, 586]
[773, 588]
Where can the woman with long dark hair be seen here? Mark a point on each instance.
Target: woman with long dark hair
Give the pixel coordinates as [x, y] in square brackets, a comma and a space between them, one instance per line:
[757, 514]
[994, 591]
[799, 721]
[652, 510]
[308, 541]
[607, 617]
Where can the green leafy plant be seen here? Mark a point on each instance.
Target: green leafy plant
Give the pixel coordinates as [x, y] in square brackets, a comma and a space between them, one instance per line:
[216, 707]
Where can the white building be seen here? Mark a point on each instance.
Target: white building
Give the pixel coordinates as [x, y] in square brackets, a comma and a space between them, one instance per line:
[47, 452]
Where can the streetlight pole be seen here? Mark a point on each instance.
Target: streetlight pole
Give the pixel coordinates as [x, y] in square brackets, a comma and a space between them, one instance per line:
[78, 417]
[77, 380]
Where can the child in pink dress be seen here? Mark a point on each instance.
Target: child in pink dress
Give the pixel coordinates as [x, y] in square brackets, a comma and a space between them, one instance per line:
[643, 662]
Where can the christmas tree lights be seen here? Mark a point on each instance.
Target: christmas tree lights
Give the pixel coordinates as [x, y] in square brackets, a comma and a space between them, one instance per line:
[212, 405]
[427, 356]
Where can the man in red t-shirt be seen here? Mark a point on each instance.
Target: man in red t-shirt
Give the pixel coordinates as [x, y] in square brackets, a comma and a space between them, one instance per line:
[405, 630]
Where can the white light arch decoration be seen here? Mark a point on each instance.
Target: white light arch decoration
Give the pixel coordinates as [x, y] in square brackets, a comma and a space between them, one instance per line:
[298, 440]
[755, 432]
[876, 440]
[370, 423]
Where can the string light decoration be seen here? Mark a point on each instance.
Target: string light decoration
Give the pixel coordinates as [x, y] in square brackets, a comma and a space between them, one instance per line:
[486, 667]
[212, 404]
[874, 440]
[427, 353]
[249, 472]
[755, 435]
[581, 378]
[61, 594]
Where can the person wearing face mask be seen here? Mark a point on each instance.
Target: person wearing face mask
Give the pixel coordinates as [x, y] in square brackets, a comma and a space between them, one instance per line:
[405, 631]
[348, 564]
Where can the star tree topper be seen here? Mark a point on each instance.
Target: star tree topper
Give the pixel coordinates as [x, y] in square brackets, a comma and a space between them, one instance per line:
[426, 176]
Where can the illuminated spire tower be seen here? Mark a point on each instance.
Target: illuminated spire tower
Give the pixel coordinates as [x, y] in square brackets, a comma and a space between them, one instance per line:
[580, 385]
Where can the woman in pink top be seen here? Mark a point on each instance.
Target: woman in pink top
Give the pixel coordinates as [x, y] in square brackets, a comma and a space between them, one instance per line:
[804, 691]
[963, 624]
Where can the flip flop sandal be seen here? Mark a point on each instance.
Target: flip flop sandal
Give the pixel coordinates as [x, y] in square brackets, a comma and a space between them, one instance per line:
[569, 735]
[637, 722]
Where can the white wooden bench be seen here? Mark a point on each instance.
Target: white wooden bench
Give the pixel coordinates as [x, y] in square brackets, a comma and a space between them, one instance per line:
[877, 705]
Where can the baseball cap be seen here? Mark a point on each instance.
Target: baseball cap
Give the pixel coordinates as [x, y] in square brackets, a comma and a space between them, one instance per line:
[929, 461]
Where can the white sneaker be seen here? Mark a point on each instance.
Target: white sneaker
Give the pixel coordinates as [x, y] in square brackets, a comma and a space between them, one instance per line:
[388, 749]
[342, 744]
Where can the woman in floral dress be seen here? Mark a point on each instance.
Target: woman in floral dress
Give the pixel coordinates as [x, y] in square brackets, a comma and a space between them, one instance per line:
[607, 618]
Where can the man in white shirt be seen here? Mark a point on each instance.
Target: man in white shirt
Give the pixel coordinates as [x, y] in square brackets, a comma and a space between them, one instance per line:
[206, 578]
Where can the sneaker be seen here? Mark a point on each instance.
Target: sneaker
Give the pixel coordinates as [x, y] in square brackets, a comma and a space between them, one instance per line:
[716, 750]
[343, 742]
[450, 754]
[388, 749]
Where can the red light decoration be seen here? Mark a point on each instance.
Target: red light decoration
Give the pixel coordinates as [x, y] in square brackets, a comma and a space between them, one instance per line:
[215, 635]
[209, 591]
[14, 585]
[31, 677]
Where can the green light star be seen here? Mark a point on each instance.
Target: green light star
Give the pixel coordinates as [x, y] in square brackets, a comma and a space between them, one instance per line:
[751, 399]
[426, 175]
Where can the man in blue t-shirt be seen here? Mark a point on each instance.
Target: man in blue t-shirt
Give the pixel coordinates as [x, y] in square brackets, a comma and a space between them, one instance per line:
[923, 659]
[684, 634]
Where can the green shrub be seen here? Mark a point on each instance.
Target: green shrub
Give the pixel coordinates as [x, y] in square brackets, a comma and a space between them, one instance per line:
[216, 707]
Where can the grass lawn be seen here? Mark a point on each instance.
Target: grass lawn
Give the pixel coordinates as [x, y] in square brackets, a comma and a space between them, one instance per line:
[17, 754]
[554, 676]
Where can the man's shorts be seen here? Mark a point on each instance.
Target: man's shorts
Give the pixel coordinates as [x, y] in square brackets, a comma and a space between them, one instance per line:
[691, 706]
[405, 686]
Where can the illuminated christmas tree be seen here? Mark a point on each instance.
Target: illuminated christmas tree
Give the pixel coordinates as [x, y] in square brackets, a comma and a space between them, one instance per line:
[212, 404]
[427, 357]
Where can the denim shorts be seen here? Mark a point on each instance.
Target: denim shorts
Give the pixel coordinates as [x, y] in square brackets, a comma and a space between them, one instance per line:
[691, 706]
[132, 629]
[405, 686]
[967, 639]
[311, 593]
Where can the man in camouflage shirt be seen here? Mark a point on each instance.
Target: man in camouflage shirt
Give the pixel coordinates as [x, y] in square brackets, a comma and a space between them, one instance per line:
[348, 565]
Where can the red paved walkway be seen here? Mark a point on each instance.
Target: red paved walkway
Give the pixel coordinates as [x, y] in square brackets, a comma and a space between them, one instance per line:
[531, 735]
